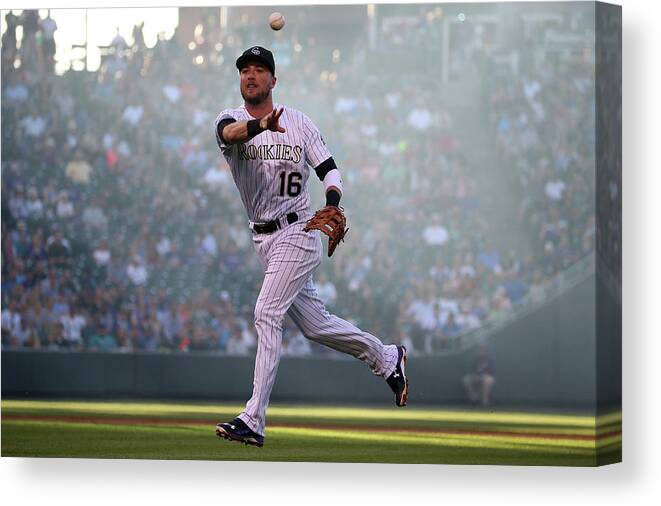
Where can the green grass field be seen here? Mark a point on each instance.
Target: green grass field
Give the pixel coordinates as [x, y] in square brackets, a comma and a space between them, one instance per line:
[153, 430]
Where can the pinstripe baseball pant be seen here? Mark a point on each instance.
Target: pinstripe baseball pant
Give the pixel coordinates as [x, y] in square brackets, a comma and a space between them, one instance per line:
[289, 256]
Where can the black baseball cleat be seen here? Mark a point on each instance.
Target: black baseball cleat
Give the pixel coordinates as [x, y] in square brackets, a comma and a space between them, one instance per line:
[237, 430]
[397, 381]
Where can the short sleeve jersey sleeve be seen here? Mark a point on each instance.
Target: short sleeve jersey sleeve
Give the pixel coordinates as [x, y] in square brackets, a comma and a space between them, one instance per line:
[227, 114]
[316, 150]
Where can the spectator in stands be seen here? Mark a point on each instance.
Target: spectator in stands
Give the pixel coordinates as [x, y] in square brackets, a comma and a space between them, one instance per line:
[94, 218]
[59, 251]
[34, 208]
[118, 43]
[55, 339]
[124, 344]
[326, 290]
[148, 337]
[13, 332]
[73, 323]
[136, 270]
[45, 321]
[200, 340]
[9, 43]
[236, 345]
[102, 339]
[102, 259]
[78, 169]
[64, 208]
[48, 28]
[20, 238]
[34, 124]
[138, 36]
[29, 52]
[479, 382]
[451, 328]
[435, 234]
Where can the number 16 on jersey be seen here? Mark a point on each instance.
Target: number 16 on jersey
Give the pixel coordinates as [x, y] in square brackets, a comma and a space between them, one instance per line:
[290, 184]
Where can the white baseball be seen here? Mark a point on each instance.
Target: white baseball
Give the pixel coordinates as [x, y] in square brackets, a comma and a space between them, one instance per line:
[276, 21]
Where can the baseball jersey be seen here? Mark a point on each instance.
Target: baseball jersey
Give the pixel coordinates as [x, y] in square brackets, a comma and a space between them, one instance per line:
[271, 170]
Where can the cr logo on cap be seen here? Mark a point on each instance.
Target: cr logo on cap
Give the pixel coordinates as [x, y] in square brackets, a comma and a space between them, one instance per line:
[255, 50]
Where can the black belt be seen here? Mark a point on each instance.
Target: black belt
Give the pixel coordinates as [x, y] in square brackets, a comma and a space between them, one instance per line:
[271, 226]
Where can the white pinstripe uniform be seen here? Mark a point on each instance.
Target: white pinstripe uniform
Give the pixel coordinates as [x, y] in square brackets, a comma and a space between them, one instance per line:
[271, 173]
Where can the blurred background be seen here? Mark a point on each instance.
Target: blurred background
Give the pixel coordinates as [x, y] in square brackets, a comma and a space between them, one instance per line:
[465, 134]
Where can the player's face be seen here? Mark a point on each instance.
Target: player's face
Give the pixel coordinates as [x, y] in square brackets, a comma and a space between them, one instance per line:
[256, 83]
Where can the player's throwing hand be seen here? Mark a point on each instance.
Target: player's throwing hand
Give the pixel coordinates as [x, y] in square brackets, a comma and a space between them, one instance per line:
[270, 121]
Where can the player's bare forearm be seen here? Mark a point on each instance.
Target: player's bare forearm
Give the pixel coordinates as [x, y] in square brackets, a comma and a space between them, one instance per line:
[237, 133]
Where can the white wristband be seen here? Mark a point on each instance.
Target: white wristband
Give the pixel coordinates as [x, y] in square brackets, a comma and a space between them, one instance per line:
[334, 179]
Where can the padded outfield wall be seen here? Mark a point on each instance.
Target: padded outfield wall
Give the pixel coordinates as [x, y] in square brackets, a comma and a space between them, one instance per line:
[546, 358]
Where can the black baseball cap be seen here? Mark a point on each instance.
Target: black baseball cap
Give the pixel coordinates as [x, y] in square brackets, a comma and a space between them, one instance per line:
[256, 54]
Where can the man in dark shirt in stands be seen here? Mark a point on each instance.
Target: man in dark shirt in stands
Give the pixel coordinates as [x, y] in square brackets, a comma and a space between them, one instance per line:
[58, 251]
[479, 382]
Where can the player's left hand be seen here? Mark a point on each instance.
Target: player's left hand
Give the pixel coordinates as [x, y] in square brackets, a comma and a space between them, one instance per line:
[331, 221]
[271, 121]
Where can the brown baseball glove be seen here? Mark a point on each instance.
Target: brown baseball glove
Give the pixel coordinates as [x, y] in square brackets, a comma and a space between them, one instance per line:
[331, 221]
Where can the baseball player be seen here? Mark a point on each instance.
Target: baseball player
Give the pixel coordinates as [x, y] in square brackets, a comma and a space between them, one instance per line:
[270, 149]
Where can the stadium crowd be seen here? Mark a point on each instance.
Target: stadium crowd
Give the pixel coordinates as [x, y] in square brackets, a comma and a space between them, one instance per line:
[122, 229]
[545, 127]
